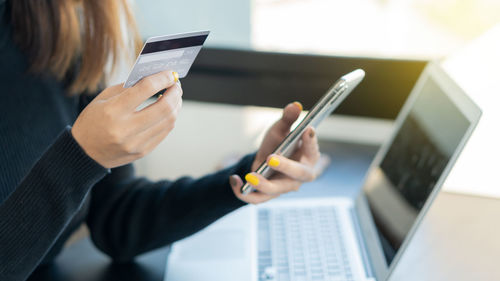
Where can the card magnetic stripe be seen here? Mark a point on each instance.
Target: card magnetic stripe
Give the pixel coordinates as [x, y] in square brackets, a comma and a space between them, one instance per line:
[170, 44]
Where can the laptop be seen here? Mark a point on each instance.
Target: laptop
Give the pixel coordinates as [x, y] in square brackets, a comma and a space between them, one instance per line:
[333, 238]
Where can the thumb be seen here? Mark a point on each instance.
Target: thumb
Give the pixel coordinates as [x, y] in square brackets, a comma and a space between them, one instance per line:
[290, 114]
[310, 147]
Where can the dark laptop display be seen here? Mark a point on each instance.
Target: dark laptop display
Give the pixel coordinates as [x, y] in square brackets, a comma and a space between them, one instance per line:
[398, 188]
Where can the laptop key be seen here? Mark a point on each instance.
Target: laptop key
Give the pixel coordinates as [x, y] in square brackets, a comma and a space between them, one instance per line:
[301, 244]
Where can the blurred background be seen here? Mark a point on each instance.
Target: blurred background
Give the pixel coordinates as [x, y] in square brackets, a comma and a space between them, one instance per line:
[262, 54]
[422, 29]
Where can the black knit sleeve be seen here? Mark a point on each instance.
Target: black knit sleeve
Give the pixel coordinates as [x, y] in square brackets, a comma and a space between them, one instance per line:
[129, 216]
[34, 215]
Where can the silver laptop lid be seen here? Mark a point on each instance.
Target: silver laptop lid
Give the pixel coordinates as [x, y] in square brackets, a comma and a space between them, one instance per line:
[410, 168]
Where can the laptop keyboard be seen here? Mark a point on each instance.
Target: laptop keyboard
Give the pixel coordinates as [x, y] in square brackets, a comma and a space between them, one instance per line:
[301, 244]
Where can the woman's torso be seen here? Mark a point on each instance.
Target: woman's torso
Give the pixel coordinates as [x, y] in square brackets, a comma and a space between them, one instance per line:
[34, 110]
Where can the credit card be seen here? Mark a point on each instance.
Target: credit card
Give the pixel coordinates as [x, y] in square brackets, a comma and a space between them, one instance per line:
[169, 52]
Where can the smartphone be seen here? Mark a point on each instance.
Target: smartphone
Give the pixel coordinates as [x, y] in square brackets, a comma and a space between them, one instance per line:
[322, 109]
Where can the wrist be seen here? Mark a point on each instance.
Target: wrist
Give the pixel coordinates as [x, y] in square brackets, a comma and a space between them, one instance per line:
[78, 140]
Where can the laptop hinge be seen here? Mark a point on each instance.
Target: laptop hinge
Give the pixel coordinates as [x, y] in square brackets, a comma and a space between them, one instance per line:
[362, 246]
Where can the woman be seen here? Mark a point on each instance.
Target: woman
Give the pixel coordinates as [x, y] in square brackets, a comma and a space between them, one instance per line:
[65, 157]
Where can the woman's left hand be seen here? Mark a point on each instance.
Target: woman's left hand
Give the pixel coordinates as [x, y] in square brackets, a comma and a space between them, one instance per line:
[290, 172]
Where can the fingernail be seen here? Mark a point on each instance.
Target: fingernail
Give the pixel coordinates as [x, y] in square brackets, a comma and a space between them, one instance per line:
[299, 105]
[159, 96]
[252, 179]
[176, 76]
[273, 161]
[312, 133]
[232, 180]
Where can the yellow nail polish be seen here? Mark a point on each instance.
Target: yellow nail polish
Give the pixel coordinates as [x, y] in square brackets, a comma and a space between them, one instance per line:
[176, 76]
[299, 105]
[252, 179]
[273, 162]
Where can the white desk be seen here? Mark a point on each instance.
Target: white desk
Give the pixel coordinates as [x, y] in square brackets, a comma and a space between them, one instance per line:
[458, 240]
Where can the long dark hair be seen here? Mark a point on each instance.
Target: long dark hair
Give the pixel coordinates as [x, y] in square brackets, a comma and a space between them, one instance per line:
[54, 33]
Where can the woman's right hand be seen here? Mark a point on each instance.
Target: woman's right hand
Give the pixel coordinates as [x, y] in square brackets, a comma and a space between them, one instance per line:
[113, 133]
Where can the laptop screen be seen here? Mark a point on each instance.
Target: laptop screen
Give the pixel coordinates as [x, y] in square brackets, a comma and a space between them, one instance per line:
[397, 189]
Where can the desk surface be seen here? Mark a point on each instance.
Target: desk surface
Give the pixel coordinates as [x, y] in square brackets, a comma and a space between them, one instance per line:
[458, 240]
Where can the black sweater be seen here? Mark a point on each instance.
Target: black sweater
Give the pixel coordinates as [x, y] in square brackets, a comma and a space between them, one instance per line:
[49, 186]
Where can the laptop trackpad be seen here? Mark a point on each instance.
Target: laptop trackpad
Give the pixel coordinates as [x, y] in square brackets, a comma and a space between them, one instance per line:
[224, 251]
[217, 244]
